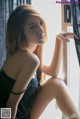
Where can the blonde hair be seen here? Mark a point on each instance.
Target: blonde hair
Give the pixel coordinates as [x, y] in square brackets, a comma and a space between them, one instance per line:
[15, 35]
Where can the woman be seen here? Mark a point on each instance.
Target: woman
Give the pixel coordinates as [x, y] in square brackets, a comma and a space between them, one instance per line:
[26, 34]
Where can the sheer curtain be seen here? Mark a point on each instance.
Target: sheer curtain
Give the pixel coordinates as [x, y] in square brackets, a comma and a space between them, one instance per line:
[75, 8]
[6, 6]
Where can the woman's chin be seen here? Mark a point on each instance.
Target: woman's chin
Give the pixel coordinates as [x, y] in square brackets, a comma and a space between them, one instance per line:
[40, 42]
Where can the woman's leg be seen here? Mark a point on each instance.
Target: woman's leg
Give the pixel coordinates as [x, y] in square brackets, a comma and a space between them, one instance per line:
[53, 88]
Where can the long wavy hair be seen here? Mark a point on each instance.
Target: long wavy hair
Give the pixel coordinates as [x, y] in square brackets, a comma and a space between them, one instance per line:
[15, 34]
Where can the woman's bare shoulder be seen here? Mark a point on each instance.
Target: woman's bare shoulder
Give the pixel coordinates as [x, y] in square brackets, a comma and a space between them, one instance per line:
[32, 56]
[21, 57]
[19, 60]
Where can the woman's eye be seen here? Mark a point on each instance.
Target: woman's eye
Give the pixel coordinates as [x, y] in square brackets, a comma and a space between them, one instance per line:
[33, 27]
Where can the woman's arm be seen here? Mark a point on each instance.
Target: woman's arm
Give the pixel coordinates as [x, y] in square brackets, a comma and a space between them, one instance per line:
[54, 67]
[25, 74]
[60, 45]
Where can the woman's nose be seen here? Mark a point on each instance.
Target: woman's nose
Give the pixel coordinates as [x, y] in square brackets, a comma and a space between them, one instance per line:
[40, 31]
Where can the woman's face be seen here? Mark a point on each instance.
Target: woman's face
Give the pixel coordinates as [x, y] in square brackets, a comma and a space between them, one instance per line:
[34, 31]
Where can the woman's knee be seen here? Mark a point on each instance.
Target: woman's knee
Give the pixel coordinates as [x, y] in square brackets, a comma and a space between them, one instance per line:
[56, 84]
[52, 87]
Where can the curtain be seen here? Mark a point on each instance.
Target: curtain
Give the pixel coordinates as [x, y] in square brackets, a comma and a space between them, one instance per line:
[6, 6]
[75, 9]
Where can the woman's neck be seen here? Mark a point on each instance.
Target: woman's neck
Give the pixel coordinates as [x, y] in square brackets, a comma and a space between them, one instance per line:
[31, 48]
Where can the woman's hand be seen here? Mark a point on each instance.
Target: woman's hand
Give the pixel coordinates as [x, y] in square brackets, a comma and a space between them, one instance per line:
[66, 36]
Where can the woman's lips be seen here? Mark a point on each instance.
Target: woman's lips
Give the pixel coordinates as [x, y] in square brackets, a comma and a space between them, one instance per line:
[41, 37]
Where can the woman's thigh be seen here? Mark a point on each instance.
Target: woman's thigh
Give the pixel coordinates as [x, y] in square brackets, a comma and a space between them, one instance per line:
[49, 90]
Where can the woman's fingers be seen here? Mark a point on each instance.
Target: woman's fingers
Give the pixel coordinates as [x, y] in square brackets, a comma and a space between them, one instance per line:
[76, 36]
[73, 34]
[67, 36]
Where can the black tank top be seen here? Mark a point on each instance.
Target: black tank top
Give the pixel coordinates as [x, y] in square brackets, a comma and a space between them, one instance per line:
[25, 105]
